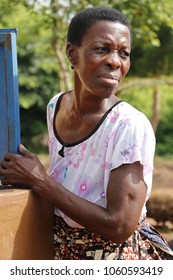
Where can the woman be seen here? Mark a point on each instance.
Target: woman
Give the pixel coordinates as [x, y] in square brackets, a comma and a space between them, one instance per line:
[101, 151]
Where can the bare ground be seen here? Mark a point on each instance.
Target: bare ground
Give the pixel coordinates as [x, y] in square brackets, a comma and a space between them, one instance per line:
[163, 181]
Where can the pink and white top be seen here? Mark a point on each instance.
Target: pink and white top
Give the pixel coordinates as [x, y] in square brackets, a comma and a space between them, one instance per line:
[123, 135]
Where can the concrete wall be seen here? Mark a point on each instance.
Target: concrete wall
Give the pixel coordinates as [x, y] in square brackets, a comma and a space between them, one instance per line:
[26, 226]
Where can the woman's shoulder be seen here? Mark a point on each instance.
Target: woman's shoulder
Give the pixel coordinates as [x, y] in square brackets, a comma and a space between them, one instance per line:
[127, 111]
[127, 108]
[130, 119]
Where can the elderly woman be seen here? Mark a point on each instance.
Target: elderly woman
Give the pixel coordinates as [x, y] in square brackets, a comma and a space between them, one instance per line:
[101, 151]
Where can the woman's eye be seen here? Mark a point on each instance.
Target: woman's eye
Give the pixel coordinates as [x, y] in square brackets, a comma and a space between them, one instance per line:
[102, 49]
[124, 54]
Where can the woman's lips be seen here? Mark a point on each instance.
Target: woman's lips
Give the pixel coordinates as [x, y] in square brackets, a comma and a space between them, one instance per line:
[109, 78]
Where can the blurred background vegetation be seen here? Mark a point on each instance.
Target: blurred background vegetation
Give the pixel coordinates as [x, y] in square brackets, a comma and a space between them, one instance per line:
[44, 69]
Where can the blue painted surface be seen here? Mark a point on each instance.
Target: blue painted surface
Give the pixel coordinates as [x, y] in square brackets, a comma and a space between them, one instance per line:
[9, 93]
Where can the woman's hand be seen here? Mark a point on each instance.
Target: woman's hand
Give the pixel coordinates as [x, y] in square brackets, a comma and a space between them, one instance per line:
[24, 169]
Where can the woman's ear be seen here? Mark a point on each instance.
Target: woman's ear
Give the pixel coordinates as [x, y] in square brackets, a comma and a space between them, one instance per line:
[71, 53]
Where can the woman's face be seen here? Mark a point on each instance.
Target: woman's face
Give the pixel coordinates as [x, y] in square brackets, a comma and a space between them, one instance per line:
[103, 58]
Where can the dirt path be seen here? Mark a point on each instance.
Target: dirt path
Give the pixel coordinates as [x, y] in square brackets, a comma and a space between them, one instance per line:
[163, 181]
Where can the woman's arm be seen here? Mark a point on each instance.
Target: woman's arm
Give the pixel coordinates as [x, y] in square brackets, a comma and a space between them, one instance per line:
[126, 194]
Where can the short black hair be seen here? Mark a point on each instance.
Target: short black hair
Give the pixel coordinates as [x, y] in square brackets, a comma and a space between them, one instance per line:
[83, 20]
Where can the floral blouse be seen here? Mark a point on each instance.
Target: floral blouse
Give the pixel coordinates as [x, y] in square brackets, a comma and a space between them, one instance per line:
[123, 135]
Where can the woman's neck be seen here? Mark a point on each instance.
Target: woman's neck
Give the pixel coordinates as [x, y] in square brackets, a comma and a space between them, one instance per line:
[86, 103]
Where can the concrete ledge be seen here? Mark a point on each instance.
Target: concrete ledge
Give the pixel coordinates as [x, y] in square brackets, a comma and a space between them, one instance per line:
[26, 226]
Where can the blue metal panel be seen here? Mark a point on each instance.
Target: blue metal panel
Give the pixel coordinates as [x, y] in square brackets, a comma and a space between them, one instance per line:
[9, 94]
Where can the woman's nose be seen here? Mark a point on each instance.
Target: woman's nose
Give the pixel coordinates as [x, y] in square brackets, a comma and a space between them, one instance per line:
[113, 60]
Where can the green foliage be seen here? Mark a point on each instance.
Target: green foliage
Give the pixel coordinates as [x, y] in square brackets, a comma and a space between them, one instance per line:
[136, 93]
[153, 60]
[146, 16]
[38, 75]
[139, 93]
[164, 134]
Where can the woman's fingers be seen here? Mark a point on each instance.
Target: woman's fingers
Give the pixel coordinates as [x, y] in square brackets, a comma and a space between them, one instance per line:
[4, 164]
[24, 151]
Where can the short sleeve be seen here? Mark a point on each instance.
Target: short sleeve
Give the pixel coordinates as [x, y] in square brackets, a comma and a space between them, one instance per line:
[134, 141]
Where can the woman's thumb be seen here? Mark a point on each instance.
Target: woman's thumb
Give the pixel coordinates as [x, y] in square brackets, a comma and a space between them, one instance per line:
[24, 151]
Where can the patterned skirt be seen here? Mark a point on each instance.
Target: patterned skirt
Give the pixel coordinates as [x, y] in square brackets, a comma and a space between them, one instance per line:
[82, 244]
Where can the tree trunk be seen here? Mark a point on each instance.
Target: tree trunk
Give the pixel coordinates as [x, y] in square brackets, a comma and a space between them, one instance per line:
[65, 81]
[64, 76]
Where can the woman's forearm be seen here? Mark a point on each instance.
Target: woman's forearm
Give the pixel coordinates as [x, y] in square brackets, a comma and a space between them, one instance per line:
[89, 215]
